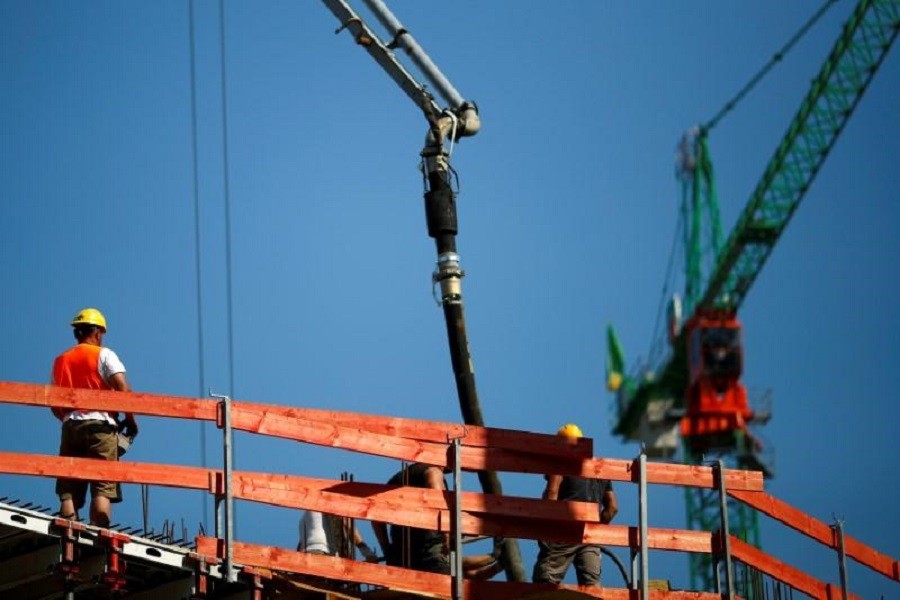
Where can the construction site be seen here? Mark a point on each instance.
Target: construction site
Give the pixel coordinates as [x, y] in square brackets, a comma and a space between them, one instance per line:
[337, 241]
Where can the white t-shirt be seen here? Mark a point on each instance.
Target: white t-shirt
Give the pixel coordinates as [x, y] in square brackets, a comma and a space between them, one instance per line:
[313, 534]
[108, 364]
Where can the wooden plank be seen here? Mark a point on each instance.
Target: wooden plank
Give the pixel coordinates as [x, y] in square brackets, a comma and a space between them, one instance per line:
[408, 580]
[332, 567]
[413, 507]
[567, 593]
[781, 571]
[440, 432]
[88, 469]
[672, 474]
[821, 532]
[276, 421]
[335, 436]
[138, 403]
[205, 409]
[506, 590]
[792, 517]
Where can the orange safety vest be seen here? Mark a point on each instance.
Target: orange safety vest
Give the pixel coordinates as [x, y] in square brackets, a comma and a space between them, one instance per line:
[79, 367]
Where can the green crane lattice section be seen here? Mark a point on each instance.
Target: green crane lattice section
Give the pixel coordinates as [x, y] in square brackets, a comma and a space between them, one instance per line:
[866, 38]
[864, 42]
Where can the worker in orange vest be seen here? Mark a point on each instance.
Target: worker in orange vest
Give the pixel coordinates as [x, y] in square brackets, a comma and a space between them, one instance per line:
[90, 433]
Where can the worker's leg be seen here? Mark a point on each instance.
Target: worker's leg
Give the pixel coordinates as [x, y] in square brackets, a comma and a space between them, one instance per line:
[552, 562]
[587, 564]
[71, 492]
[100, 511]
[67, 509]
[103, 444]
[477, 561]
[481, 567]
[430, 558]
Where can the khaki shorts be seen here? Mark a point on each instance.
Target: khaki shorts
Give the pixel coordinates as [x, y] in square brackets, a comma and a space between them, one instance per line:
[554, 559]
[88, 439]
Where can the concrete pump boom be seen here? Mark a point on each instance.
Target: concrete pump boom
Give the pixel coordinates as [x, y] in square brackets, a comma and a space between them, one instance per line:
[458, 120]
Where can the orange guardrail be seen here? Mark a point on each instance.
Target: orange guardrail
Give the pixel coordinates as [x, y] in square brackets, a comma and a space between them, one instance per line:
[427, 441]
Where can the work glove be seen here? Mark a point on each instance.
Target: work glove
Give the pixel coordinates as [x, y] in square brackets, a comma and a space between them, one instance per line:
[128, 428]
[367, 553]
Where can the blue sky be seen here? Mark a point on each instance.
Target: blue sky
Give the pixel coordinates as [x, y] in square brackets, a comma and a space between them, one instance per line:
[567, 210]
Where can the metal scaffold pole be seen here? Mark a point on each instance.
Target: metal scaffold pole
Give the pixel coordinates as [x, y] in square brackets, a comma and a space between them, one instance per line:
[724, 534]
[456, 551]
[838, 529]
[225, 521]
[642, 524]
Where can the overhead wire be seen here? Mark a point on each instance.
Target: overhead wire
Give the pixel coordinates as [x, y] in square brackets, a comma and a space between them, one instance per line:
[776, 58]
[201, 363]
[657, 345]
[227, 199]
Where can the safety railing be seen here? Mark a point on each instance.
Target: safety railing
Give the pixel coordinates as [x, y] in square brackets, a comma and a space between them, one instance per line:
[479, 514]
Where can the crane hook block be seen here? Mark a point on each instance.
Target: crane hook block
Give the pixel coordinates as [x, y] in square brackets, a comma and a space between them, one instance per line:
[440, 212]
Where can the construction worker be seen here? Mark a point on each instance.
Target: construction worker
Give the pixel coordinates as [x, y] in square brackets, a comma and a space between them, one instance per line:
[427, 550]
[90, 434]
[320, 534]
[554, 559]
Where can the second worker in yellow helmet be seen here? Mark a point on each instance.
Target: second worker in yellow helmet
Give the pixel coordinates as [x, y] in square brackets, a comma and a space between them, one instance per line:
[554, 559]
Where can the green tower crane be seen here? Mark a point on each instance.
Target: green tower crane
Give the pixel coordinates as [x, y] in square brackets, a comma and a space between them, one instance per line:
[694, 393]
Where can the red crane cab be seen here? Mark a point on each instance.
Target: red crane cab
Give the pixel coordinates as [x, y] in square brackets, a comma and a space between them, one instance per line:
[716, 399]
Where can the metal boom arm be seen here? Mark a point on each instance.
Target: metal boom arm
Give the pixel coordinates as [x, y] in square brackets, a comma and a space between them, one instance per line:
[866, 38]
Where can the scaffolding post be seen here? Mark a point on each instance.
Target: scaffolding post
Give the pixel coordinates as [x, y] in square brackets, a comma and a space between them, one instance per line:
[838, 530]
[635, 576]
[226, 520]
[642, 523]
[724, 534]
[456, 570]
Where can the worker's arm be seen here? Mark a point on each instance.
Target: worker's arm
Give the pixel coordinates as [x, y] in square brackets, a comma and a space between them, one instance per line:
[381, 534]
[551, 490]
[610, 506]
[59, 413]
[119, 382]
[363, 547]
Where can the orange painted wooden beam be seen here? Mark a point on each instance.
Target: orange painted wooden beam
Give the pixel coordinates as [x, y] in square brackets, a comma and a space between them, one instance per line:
[819, 531]
[397, 578]
[395, 427]
[526, 518]
[100, 470]
[279, 422]
[440, 432]
[783, 572]
[333, 567]
[144, 404]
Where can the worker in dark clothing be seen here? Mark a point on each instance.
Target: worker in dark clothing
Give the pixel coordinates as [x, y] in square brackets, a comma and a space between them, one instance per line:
[424, 549]
[554, 559]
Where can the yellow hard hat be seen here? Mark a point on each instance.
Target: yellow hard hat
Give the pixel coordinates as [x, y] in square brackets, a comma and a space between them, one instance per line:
[570, 430]
[90, 316]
